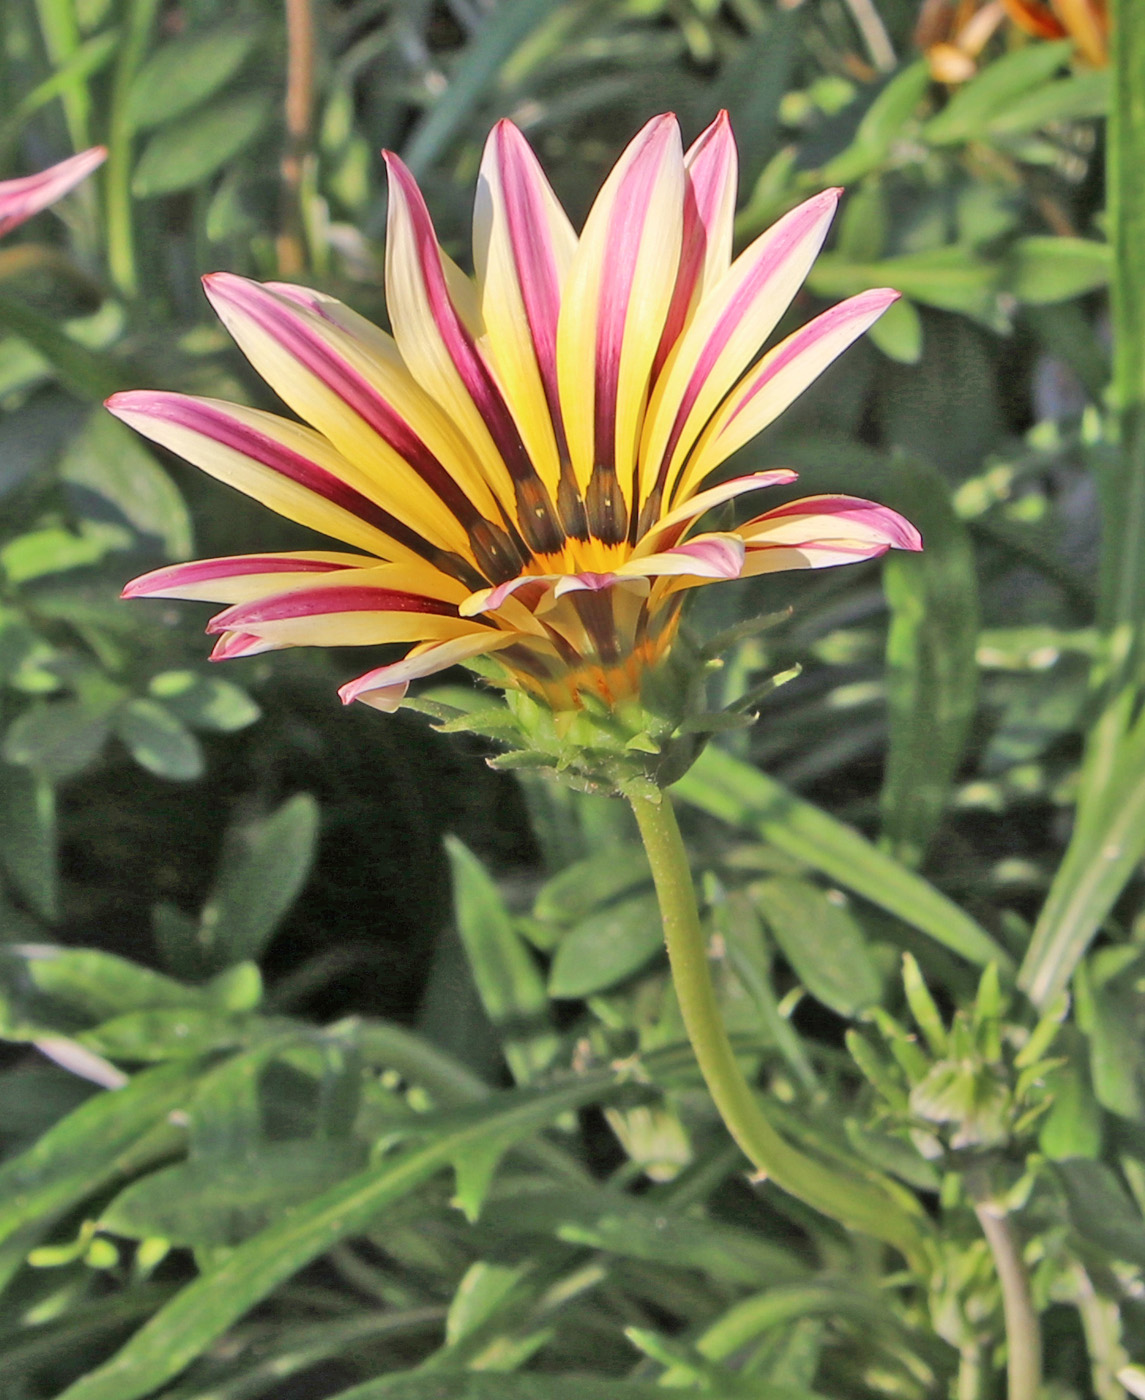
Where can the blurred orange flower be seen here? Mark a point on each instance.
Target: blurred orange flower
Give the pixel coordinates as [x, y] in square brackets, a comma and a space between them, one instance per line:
[953, 33]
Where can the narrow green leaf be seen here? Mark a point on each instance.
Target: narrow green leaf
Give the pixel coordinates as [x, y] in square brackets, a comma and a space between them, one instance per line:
[741, 795]
[822, 942]
[184, 72]
[587, 884]
[1076, 98]
[644, 1228]
[92, 985]
[507, 978]
[223, 1202]
[189, 152]
[922, 1006]
[87, 60]
[781, 1306]
[969, 112]
[539, 1385]
[502, 31]
[206, 1308]
[954, 277]
[484, 1385]
[1102, 1210]
[84, 1151]
[173, 1034]
[265, 865]
[881, 126]
[484, 1287]
[28, 838]
[932, 668]
[607, 947]
[301, 1347]
[1051, 269]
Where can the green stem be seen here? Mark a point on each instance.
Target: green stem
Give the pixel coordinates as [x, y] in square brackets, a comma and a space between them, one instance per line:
[1119, 667]
[1023, 1330]
[120, 229]
[854, 1201]
[971, 1373]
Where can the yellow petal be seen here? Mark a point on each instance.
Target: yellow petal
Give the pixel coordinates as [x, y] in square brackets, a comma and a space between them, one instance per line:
[613, 311]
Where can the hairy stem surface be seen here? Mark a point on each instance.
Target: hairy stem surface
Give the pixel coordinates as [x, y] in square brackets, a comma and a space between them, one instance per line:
[854, 1201]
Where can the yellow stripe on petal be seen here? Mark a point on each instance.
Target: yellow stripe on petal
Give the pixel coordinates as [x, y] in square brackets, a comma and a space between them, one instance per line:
[438, 345]
[727, 332]
[613, 310]
[779, 378]
[292, 469]
[243, 577]
[351, 384]
[523, 245]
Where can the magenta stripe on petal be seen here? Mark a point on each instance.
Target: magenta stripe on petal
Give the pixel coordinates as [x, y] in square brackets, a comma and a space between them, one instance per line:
[490, 599]
[316, 602]
[267, 310]
[537, 274]
[625, 226]
[587, 582]
[708, 164]
[28, 194]
[856, 309]
[205, 570]
[723, 557]
[232, 645]
[467, 359]
[789, 233]
[898, 531]
[200, 416]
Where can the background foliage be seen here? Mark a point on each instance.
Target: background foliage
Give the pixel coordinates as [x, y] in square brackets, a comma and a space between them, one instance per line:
[303, 1096]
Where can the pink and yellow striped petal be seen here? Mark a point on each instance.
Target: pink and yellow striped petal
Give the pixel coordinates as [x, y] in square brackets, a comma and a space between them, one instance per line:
[359, 395]
[28, 194]
[727, 332]
[819, 532]
[711, 170]
[290, 468]
[367, 612]
[669, 528]
[707, 557]
[442, 354]
[780, 377]
[523, 245]
[615, 304]
[385, 687]
[242, 577]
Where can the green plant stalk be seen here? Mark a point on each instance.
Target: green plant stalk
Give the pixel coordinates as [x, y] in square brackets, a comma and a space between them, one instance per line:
[61, 35]
[1123, 581]
[855, 1202]
[1023, 1331]
[120, 230]
[1061, 936]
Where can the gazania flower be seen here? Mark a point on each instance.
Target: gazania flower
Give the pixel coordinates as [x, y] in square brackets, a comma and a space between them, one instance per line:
[522, 468]
[27, 195]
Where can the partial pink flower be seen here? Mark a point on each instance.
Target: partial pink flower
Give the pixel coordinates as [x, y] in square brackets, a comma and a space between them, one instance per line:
[28, 194]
